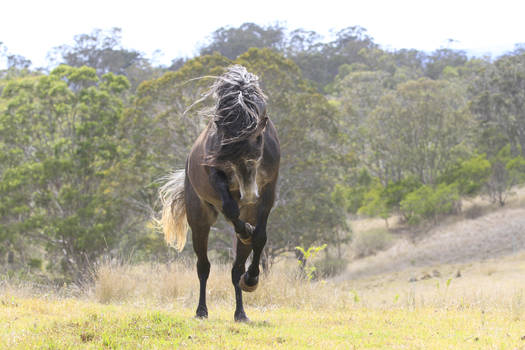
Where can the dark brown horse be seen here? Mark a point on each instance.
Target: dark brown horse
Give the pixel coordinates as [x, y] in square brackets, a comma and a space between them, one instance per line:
[232, 168]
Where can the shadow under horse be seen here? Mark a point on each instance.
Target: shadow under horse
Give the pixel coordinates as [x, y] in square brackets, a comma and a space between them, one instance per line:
[232, 168]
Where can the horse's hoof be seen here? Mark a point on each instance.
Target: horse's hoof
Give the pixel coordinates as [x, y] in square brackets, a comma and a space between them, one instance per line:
[249, 229]
[241, 318]
[245, 286]
[245, 241]
[201, 314]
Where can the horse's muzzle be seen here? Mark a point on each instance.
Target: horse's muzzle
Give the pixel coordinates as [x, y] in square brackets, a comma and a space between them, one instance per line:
[250, 195]
[249, 201]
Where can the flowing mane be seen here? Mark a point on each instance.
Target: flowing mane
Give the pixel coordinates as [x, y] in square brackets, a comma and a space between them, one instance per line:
[239, 112]
[240, 103]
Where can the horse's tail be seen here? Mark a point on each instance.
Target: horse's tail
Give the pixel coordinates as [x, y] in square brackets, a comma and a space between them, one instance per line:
[173, 220]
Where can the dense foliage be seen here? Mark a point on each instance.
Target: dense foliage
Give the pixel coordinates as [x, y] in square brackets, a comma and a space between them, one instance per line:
[363, 131]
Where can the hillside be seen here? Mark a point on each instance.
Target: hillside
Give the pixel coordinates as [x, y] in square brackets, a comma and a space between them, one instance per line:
[491, 236]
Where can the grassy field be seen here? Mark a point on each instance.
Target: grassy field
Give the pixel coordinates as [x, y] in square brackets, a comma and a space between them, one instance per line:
[63, 324]
[152, 307]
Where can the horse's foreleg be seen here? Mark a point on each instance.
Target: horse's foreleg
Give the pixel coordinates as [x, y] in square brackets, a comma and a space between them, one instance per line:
[250, 279]
[230, 208]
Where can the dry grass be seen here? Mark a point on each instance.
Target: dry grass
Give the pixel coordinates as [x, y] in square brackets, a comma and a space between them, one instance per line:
[494, 285]
[177, 283]
[118, 282]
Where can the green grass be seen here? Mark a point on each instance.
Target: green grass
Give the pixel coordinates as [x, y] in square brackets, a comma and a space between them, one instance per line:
[41, 323]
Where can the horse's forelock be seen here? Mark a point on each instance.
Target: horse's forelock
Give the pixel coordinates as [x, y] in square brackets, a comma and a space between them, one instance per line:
[239, 103]
[239, 114]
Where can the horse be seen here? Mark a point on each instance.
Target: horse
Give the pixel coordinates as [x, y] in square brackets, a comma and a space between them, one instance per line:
[232, 168]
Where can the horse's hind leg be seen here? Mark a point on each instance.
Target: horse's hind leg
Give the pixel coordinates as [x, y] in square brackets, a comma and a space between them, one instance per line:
[200, 245]
[243, 251]
[200, 217]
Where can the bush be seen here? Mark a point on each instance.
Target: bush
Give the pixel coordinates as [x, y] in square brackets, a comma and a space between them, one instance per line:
[395, 192]
[375, 203]
[470, 175]
[428, 202]
[35, 263]
[370, 242]
[329, 267]
[474, 212]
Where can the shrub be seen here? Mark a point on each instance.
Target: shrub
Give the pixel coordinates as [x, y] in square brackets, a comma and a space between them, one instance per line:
[375, 203]
[305, 256]
[370, 242]
[474, 212]
[329, 267]
[472, 174]
[428, 202]
[395, 192]
[35, 263]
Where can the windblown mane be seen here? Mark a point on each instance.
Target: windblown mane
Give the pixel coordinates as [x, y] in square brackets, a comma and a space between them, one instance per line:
[238, 112]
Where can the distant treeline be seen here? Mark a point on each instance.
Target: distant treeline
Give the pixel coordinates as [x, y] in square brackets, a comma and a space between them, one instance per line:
[363, 131]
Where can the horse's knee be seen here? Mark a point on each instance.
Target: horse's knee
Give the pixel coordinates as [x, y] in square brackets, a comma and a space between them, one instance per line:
[230, 209]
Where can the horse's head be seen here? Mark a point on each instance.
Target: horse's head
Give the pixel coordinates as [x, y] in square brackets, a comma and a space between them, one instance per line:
[246, 167]
[242, 160]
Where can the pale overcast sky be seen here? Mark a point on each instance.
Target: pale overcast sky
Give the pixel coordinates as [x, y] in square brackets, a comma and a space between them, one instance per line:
[177, 28]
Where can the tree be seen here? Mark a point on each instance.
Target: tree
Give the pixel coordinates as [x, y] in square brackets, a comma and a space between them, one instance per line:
[416, 131]
[375, 204]
[505, 172]
[439, 60]
[103, 51]
[470, 175]
[499, 99]
[232, 42]
[16, 65]
[320, 62]
[60, 178]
